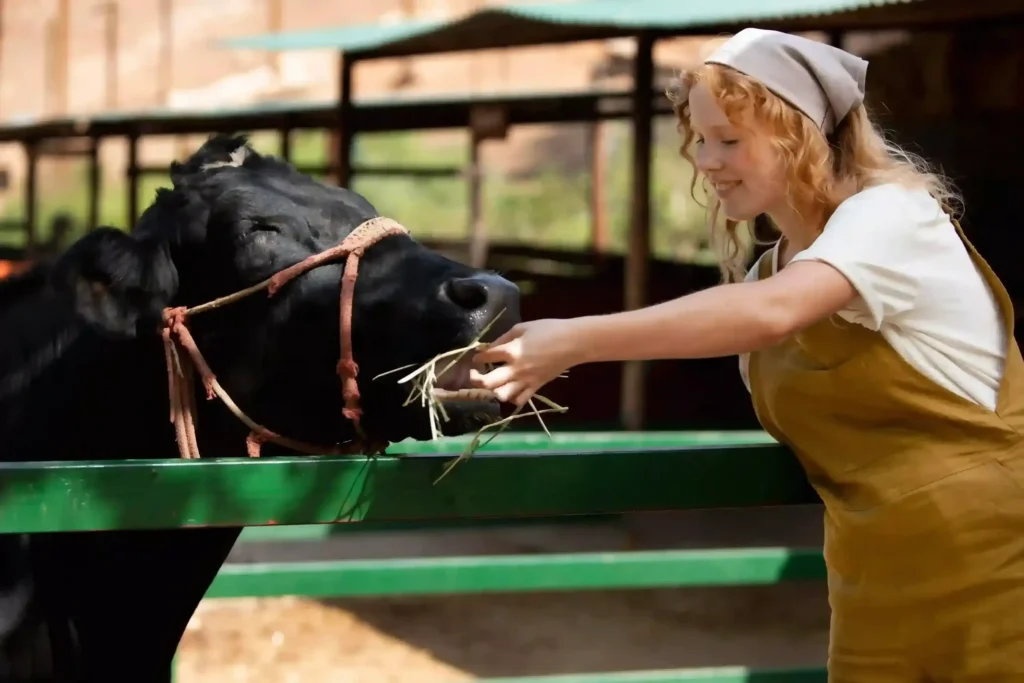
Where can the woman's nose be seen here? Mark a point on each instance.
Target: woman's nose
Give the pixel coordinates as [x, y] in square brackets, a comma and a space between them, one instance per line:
[707, 160]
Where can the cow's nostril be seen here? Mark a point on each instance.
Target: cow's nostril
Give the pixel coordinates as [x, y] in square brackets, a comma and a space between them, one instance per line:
[467, 293]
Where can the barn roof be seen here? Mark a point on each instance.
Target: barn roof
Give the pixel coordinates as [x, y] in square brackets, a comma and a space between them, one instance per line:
[568, 21]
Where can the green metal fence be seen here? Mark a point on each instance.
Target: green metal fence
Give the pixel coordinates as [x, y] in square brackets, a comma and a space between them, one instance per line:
[517, 477]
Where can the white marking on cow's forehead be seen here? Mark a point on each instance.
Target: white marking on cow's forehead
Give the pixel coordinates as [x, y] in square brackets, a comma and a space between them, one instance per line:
[237, 159]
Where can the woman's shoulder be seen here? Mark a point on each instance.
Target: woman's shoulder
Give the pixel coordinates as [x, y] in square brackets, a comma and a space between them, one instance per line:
[890, 201]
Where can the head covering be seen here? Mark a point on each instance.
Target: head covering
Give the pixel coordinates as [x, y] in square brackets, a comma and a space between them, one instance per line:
[822, 81]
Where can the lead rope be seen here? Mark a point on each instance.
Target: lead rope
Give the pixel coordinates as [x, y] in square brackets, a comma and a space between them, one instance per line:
[180, 366]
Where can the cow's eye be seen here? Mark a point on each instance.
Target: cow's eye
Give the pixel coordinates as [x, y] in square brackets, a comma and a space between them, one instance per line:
[265, 227]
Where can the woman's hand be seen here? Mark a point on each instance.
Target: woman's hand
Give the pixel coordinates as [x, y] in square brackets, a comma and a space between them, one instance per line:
[533, 353]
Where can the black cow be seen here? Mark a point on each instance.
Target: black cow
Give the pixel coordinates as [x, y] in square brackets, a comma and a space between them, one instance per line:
[82, 376]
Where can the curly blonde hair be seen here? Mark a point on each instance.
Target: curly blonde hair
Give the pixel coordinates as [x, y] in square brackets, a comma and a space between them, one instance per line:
[821, 172]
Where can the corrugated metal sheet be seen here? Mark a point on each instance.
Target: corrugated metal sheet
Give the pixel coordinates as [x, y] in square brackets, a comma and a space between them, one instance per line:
[539, 23]
[352, 38]
[681, 14]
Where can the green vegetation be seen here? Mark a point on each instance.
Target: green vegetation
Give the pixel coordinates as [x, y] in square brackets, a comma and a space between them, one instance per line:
[550, 208]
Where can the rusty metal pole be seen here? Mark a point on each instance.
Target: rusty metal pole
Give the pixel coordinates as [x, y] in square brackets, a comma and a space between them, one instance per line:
[477, 228]
[598, 177]
[341, 139]
[634, 382]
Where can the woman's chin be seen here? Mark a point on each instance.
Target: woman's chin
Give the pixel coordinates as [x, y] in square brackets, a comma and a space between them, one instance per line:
[739, 213]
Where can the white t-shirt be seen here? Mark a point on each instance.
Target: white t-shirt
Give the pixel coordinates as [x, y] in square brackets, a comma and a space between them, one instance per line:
[918, 286]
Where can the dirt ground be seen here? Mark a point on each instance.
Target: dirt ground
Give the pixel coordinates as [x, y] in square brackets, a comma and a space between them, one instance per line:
[464, 638]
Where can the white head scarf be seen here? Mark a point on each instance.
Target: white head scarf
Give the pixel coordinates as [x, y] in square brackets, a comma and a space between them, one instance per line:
[822, 81]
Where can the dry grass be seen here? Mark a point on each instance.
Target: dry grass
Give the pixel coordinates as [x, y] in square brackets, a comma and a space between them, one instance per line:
[424, 389]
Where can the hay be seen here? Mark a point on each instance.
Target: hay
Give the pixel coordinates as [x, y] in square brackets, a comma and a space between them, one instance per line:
[424, 389]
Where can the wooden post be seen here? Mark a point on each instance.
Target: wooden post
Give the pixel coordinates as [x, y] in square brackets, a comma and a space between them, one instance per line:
[285, 138]
[133, 181]
[31, 178]
[639, 243]
[477, 229]
[94, 184]
[598, 175]
[486, 122]
[342, 147]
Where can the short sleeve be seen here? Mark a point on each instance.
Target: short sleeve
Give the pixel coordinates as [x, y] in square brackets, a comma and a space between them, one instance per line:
[878, 241]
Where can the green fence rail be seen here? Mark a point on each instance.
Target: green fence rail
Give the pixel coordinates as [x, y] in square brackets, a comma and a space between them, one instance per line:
[518, 573]
[519, 477]
[140, 494]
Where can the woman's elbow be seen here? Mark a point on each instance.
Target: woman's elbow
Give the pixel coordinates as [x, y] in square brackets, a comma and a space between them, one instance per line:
[776, 321]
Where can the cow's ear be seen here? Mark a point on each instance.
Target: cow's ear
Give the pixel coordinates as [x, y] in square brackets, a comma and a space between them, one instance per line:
[116, 282]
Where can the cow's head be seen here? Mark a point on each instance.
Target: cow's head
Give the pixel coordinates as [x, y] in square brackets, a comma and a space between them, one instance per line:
[235, 217]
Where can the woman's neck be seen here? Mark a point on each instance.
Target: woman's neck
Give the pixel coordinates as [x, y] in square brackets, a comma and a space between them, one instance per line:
[798, 233]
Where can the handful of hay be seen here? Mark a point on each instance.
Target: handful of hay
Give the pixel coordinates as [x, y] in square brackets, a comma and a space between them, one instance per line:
[424, 389]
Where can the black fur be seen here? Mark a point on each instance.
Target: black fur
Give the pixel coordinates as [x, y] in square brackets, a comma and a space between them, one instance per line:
[82, 377]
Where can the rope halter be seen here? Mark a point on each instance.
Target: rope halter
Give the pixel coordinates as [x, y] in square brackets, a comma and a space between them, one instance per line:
[181, 387]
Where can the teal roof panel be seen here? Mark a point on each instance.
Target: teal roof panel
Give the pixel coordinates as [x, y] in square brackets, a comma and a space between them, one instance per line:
[350, 38]
[541, 23]
[678, 14]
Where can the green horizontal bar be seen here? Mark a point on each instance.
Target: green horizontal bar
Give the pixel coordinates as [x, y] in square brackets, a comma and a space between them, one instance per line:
[725, 674]
[519, 573]
[589, 441]
[318, 532]
[136, 494]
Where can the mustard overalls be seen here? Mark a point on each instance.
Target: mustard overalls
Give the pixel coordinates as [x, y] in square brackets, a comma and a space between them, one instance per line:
[924, 501]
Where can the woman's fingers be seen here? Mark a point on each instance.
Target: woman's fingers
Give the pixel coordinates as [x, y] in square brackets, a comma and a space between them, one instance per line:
[493, 379]
[514, 333]
[523, 396]
[507, 387]
[507, 393]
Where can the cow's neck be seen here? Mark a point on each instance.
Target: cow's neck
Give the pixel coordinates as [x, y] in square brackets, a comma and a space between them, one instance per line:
[67, 393]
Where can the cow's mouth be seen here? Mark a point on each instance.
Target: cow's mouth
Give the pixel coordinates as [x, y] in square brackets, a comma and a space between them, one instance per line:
[453, 384]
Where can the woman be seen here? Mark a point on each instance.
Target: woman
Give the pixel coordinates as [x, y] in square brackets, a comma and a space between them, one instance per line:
[875, 342]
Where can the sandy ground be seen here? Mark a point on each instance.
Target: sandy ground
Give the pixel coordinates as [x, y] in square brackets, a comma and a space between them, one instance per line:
[448, 639]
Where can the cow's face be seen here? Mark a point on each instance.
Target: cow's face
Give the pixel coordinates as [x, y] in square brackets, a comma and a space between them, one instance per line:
[233, 219]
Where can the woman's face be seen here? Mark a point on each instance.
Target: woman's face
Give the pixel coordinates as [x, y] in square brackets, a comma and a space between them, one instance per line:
[739, 162]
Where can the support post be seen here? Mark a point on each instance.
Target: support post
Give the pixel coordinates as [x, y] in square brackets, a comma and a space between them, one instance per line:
[133, 181]
[31, 190]
[285, 138]
[94, 183]
[345, 132]
[598, 175]
[638, 249]
[477, 229]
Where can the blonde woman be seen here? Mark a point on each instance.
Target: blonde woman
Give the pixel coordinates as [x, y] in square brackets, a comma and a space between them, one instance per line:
[875, 342]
